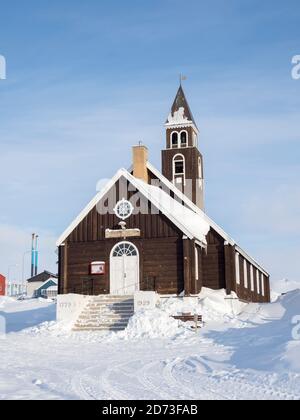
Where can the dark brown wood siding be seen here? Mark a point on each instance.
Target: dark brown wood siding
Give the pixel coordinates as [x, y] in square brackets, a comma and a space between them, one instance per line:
[160, 250]
[230, 272]
[161, 265]
[213, 262]
[260, 292]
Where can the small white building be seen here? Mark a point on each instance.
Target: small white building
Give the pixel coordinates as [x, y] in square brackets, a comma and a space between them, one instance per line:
[40, 282]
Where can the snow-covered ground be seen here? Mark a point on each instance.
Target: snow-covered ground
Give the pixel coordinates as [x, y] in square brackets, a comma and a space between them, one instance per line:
[243, 352]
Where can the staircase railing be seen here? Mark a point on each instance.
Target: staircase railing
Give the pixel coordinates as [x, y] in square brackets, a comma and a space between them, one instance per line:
[124, 288]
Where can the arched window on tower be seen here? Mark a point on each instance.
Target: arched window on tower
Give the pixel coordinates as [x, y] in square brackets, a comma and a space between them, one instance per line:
[174, 140]
[183, 139]
[179, 169]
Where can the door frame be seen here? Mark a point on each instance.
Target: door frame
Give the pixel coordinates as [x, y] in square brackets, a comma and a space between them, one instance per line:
[138, 262]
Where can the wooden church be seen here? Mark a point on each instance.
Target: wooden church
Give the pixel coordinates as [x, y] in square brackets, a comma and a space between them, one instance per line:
[147, 230]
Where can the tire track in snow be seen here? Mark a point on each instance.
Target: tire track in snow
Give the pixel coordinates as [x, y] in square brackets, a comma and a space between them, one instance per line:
[144, 379]
[204, 392]
[237, 384]
[103, 387]
[108, 388]
[83, 392]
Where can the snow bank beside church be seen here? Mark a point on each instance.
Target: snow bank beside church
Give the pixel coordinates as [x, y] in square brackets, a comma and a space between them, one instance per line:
[284, 286]
[214, 306]
[154, 323]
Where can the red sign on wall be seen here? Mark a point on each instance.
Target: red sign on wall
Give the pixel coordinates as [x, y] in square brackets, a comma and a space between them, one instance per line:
[98, 268]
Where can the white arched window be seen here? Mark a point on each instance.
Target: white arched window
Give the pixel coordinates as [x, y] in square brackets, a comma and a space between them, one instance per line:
[179, 168]
[184, 139]
[175, 140]
[124, 248]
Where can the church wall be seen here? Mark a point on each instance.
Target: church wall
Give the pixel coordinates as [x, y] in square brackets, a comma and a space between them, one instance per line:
[160, 248]
[249, 283]
[161, 266]
[213, 262]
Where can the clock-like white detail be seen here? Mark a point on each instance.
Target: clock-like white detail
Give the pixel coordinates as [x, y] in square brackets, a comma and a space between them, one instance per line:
[123, 209]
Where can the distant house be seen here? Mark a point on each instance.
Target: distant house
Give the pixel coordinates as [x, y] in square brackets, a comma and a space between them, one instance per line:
[2, 285]
[47, 290]
[35, 283]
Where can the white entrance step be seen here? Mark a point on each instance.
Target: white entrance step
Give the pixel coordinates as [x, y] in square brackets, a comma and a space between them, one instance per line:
[105, 313]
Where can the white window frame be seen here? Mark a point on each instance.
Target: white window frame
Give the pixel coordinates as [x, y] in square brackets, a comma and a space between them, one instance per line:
[174, 165]
[195, 139]
[262, 284]
[171, 140]
[252, 278]
[237, 268]
[245, 274]
[187, 139]
[200, 170]
[179, 144]
[130, 209]
[196, 264]
[258, 281]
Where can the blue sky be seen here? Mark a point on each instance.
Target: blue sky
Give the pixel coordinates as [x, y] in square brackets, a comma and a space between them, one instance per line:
[87, 80]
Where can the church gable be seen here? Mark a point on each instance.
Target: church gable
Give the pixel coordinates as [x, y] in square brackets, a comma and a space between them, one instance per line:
[150, 220]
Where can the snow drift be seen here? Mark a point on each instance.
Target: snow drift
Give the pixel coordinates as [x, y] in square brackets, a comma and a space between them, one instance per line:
[243, 352]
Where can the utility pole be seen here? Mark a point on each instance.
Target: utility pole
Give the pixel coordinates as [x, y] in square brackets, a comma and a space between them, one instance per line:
[23, 270]
[36, 254]
[32, 255]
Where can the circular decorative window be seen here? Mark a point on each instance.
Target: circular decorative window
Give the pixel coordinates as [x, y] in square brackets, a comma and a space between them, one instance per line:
[124, 209]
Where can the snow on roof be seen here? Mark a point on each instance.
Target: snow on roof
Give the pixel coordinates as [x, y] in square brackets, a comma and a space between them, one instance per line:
[184, 218]
[193, 226]
[196, 209]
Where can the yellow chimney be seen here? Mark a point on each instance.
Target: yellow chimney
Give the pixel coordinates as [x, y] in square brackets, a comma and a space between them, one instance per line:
[140, 159]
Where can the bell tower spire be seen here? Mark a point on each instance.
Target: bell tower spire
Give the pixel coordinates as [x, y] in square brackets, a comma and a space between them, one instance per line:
[182, 163]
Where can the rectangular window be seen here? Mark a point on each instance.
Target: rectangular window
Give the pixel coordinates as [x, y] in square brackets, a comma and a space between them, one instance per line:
[258, 281]
[252, 278]
[196, 264]
[245, 275]
[262, 284]
[237, 268]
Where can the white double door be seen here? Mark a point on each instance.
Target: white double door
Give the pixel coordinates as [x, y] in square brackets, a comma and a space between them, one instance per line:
[124, 270]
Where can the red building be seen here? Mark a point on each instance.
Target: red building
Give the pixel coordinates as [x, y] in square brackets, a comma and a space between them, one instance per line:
[2, 285]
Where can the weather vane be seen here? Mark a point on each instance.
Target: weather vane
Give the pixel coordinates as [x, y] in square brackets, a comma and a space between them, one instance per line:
[182, 78]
